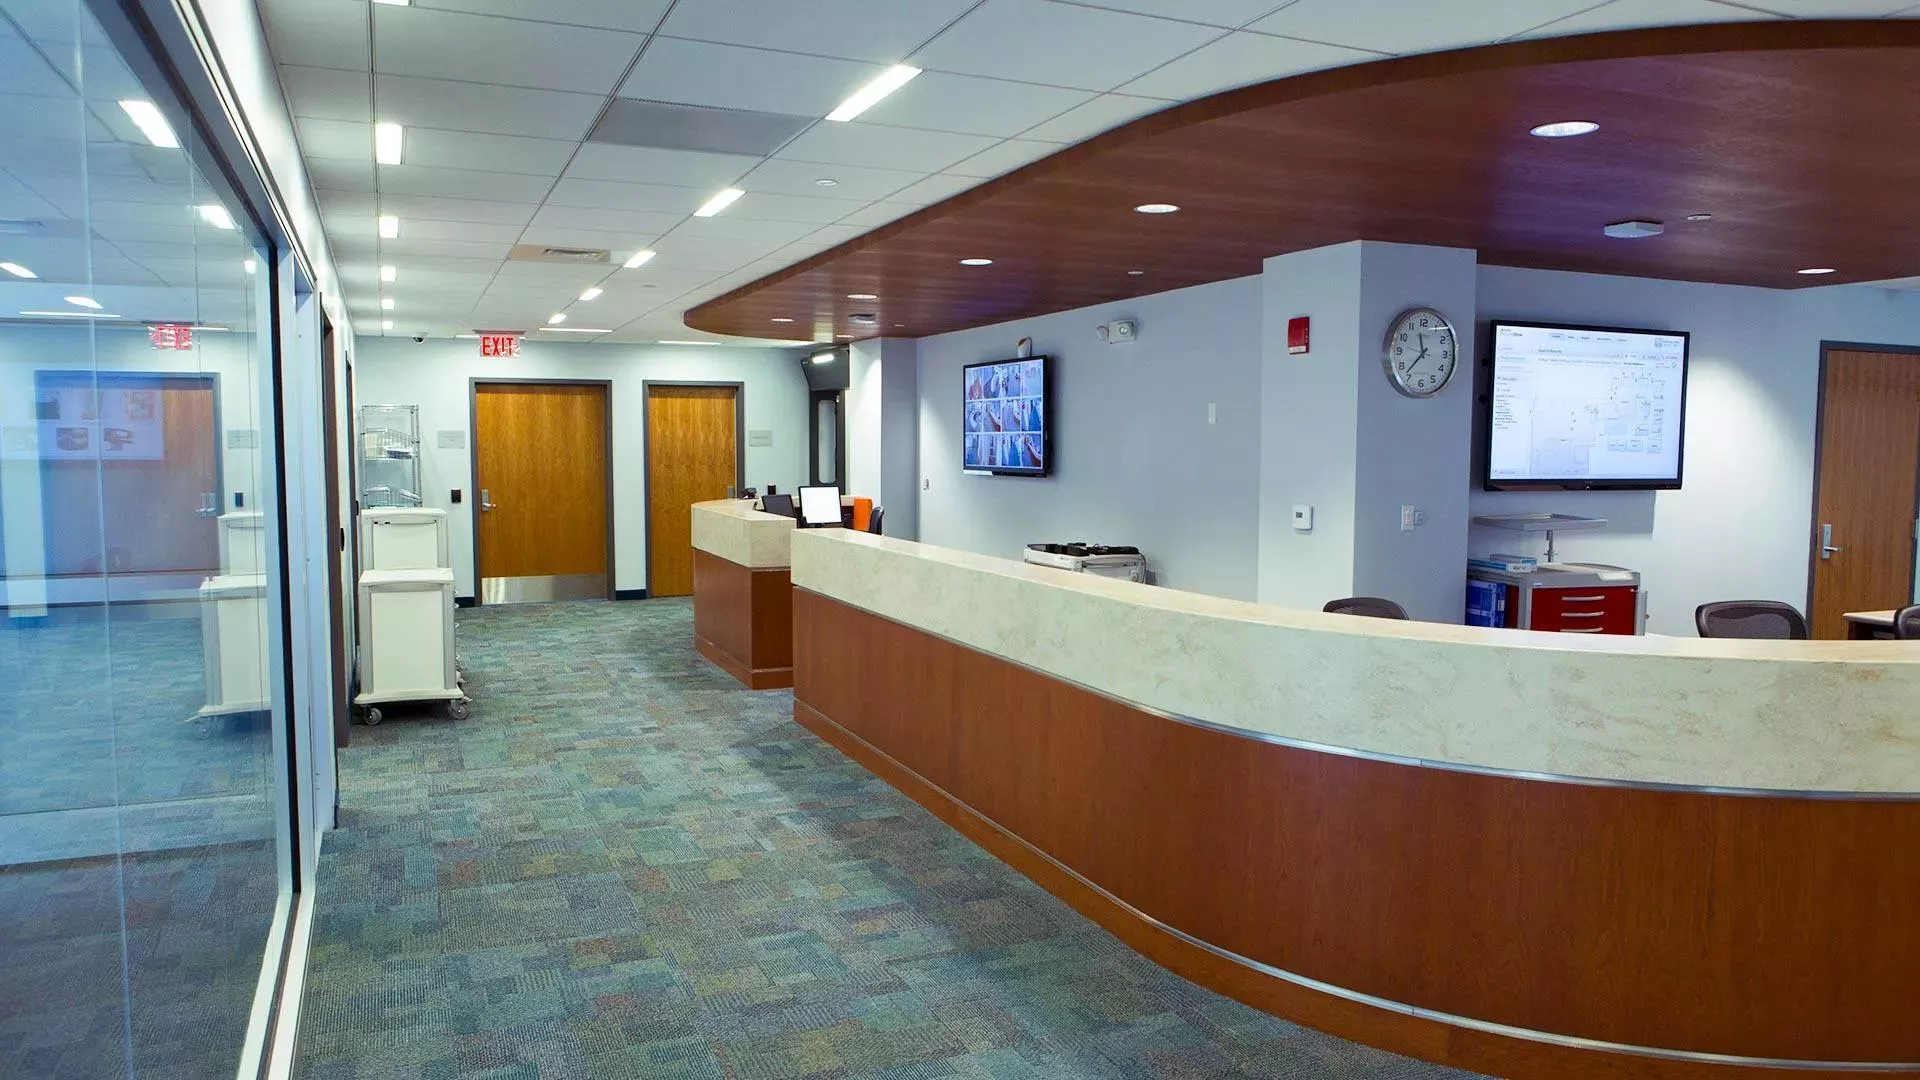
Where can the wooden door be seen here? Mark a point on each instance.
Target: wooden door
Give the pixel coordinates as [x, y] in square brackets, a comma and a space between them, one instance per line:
[1869, 466]
[541, 499]
[692, 456]
[160, 503]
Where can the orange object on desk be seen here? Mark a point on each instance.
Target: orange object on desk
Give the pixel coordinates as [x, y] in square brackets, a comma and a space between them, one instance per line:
[862, 514]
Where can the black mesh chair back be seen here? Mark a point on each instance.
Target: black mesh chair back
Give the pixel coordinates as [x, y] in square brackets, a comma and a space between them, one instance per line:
[873, 520]
[1906, 623]
[1372, 607]
[1750, 619]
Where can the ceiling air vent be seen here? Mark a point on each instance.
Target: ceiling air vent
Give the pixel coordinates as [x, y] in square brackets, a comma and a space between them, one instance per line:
[548, 253]
[666, 126]
[21, 226]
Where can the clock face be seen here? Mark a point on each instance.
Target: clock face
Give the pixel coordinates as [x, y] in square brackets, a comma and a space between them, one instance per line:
[1420, 353]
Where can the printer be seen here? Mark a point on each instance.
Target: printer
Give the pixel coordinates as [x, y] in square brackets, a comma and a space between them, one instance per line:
[1080, 557]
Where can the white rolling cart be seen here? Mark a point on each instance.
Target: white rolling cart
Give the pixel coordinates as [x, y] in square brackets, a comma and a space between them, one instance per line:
[403, 538]
[406, 641]
[232, 622]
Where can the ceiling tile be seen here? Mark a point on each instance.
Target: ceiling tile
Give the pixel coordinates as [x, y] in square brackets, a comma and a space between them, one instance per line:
[882, 31]
[445, 45]
[1004, 158]
[1231, 14]
[945, 102]
[22, 71]
[641, 165]
[1626, 14]
[340, 175]
[1102, 113]
[396, 251]
[874, 146]
[934, 188]
[476, 231]
[734, 77]
[487, 152]
[335, 139]
[879, 213]
[318, 33]
[636, 15]
[631, 223]
[430, 208]
[614, 195]
[505, 110]
[1409, 26]
[763, 206]
[462, 184]
[1239, 60]
[1084, 47]
[727, 227]
[849, 182]
[327, 93]
[1830, 9]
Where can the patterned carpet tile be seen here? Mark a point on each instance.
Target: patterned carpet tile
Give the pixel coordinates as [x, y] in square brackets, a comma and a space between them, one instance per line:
[625, 865]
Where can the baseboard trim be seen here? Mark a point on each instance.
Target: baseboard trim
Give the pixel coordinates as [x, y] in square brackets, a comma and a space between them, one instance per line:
[465, 601]
[751, 678]
[629, 594]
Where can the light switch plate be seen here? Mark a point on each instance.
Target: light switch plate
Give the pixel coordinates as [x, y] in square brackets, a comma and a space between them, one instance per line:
[1302, 517]
[760, 437]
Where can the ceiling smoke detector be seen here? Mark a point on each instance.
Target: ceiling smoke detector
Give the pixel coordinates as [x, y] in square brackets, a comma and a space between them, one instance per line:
[1634, 230]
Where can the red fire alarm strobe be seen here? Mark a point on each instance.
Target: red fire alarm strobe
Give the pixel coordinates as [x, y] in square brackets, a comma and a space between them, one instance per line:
[1297, 334]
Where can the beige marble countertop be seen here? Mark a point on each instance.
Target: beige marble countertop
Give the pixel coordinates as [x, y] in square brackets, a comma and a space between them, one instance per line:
[733, 530]
[1839, 716]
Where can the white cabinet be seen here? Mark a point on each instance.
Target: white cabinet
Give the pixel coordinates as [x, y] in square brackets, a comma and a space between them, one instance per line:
[406, 640]
[233, 633]
[403, 538]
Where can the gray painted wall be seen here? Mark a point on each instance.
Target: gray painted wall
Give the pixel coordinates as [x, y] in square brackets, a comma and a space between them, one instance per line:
[1135, 460]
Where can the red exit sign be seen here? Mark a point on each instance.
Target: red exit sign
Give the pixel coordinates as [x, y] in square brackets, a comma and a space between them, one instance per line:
[499, 345]
[166, 336]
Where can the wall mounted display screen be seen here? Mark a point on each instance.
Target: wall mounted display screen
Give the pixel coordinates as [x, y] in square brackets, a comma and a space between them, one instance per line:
[1585, 407]
[1008, 417]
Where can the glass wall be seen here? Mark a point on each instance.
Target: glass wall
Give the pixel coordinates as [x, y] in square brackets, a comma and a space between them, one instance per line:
[141, 791]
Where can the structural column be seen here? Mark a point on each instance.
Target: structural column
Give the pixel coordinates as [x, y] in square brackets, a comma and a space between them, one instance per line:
[883, 429]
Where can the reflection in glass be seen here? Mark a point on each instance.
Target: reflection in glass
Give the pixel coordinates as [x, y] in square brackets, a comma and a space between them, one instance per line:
[139, 866]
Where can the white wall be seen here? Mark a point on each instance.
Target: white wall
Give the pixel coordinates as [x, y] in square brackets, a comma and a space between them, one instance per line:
[1740, 526]
[435, 376]
[1135, 460]
[883, 430]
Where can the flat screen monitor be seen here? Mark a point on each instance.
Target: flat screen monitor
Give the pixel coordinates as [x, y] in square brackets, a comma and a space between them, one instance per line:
[1009, 417]
[777, 504]
[819, 506]
[1576, 408]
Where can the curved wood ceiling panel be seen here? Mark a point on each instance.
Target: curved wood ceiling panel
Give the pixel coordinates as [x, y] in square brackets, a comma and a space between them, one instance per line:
[1797, 138]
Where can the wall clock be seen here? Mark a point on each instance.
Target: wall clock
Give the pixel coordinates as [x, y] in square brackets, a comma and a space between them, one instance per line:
[1420, 353]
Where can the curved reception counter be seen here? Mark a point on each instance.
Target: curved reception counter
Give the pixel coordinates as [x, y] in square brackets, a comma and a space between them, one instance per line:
[742, 596]
[1525, 854]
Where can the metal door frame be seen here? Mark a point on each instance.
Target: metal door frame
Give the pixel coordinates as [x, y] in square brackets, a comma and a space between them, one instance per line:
[646, 447]
[1819, 441]
[473, 467]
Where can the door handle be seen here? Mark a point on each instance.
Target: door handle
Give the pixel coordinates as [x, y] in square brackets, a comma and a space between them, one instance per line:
[209, 505]
[486, 500]
[1827, 548]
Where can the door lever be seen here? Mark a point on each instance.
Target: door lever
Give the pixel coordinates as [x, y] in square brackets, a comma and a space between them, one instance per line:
[486, 500]
[1827, 548]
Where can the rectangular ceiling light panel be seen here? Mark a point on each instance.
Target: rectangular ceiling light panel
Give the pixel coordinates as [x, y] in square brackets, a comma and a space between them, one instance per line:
[666, 126]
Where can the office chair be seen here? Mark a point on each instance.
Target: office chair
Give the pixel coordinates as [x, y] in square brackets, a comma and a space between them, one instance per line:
[1372, 607]
[1750, 619]
[1906, 623]
[873, 520]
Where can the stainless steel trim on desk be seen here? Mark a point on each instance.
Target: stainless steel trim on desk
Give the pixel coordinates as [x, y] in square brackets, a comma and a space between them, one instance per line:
[1401, 759]
[541, 590]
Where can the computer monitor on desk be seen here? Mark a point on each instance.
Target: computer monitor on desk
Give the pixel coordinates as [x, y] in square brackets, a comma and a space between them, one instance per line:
[819, 507]
[777, 504]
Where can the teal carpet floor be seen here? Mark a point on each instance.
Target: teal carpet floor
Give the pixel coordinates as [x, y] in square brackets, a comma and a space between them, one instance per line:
[626, 865]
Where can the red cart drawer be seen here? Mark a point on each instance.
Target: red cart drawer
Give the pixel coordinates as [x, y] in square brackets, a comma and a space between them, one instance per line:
[1610, 609]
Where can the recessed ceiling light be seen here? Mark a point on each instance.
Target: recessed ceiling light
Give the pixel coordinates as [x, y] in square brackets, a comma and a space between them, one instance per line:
[861, 296]
[250, 266]
[1699, 217]
[84, 301]
[574, 330]
[17, 270]
[71, 314]
[395, 3]
[637, 260]
[843, 335]
[976, 262]
[388, 140]
[146, 116]
[216, 215]
[821, 357]
[386, 303]
[827, 181]
[1135, 273]
[389, 227]
[686, 343]
[1816, 270]
[899, 325]
[556, 318]
[783, 320]
[592, 294]
[1564, 129]
[386, 324]
[389, 273]
[475, 337]
[719, 202]
[869, 95]
[1156, 208]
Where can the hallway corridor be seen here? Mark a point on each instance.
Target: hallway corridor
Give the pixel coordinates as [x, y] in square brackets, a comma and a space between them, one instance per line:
[625, 865]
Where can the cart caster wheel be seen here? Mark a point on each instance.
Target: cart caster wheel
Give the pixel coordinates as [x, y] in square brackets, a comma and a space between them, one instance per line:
[459, 710]
[373, 718]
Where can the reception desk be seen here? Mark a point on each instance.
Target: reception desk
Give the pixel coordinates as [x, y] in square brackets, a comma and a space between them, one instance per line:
[1525, 854]
[742, 595]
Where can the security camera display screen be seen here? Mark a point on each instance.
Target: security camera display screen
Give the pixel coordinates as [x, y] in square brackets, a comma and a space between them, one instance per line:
[1008, 417]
